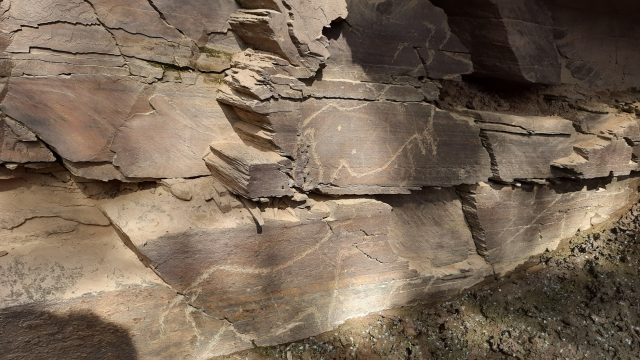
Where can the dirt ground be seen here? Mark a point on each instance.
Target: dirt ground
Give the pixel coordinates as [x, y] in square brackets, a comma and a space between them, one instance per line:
[579, 301]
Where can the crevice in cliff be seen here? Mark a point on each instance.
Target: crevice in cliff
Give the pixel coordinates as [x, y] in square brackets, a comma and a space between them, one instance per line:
[58, 51]
[143, 259]
[334, 30]
[191, 43]
[60, 22]
[529, 132]
[486, 143]
[368, 255]
[423, 61]
[68, 218]
[380, 99]
[164, 19]
[469, 211]
[95, 12]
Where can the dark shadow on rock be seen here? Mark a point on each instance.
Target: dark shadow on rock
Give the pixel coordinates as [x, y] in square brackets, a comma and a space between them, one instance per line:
[397, 38]
[587, 42]
[27, 332]
[579, 301]
[508, 40]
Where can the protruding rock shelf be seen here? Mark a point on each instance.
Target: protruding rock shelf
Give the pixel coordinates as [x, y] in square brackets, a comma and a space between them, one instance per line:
[181, 179]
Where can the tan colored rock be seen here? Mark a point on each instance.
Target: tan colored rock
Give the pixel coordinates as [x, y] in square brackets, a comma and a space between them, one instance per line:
[197, 18]
[136, 219]
[102, 171]
[19, 145]
[519, 156]
[217, 52]
[64, 201]
[77, 116]
[18, 13]
[536, 147]
[161, 325]
[134, 17]
[144, 69]
[141, 32]
[82, 283]
[596, 157]
[518, 124]
[54, 246]
[63, 37]
[424, 146]
[343, 151]
[211, 60]
[202, 188]
[308, 20]
[509, 224]
[269, 125]
[611, 125]
[41, 62]
[171, 140]
[248, 171]
[52, 259]
[347, 89]
[155, 49]
[429, 229]
[178, 188]
[265, 26]
[262, 29]
[258, 83]
[202, 213]
[308, 269]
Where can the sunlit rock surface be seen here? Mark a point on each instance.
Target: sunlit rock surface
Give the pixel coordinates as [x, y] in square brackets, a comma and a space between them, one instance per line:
[186, 179]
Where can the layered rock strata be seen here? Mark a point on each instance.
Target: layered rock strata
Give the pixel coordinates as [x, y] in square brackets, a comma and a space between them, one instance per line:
[185, 179]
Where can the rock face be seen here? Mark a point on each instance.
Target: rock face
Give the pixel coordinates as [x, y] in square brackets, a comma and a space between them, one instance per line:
[186, 179]
[65, 269]
[516, 42]
[511, 223]
[338, 258]
[424, 147]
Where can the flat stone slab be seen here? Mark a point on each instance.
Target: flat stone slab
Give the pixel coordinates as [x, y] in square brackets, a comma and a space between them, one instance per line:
[510, 224]
[304, 270]
[357, 147]
[79, 115]
[544, 147]
[171, 140]
[65, 271]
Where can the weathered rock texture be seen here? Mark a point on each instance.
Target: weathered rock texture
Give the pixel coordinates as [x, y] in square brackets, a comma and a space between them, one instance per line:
[184, 179]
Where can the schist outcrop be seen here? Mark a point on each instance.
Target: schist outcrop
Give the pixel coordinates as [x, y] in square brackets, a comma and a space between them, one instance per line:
[181, 179]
